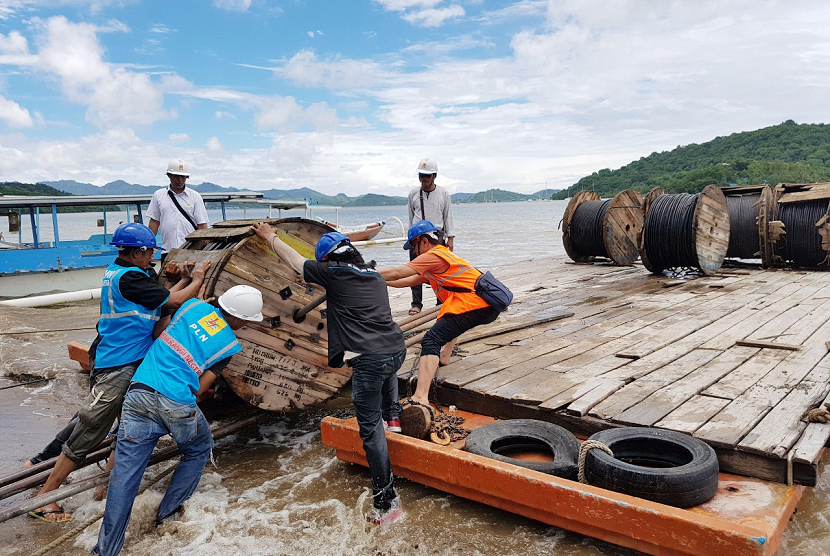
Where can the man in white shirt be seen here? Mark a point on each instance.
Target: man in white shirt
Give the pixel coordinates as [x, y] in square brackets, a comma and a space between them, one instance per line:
[177, 210]
[433, 203]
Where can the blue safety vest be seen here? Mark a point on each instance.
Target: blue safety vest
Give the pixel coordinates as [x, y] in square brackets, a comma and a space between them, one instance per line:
[126, 328]
[196, 338]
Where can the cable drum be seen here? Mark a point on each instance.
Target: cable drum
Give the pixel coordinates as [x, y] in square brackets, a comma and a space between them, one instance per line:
[586, 227]
[610, 229]
[802, 244]
[686, 231]
[744, 241]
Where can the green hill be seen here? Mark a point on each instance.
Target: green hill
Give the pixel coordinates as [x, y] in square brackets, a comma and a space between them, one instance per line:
[496, 196]
[788, 152]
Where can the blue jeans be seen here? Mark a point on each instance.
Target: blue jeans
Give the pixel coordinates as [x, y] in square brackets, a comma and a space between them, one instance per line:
[146, 417]
[375, 397]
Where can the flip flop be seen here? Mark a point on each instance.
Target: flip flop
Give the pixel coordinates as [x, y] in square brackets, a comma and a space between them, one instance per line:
[41, 515]
[414, 310]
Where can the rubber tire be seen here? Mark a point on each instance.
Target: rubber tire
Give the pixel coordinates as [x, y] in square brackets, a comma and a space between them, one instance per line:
[682, 470]
[517, 434]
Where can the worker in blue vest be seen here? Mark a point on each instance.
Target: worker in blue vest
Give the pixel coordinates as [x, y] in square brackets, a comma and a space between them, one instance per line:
[182, 363]
[131, 316]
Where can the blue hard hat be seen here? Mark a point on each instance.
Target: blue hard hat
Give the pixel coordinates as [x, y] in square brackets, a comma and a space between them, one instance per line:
[134, 235]
[417, 230]
[328, 243]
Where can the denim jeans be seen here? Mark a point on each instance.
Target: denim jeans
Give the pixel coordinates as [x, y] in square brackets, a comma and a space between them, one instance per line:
[146, 417]
[375, 396]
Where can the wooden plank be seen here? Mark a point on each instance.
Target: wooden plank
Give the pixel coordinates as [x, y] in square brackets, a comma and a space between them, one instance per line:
[778, 431]
[744, 377]
[666, 399]
[638, 390]
[692, 414]
[769, 345]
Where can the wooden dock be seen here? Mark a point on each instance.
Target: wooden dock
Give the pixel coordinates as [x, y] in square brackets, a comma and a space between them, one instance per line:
[736, 359]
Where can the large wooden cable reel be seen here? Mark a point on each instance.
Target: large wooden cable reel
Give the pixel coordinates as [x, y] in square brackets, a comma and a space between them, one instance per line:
[710, 230]
[622, 227]
[284, 364]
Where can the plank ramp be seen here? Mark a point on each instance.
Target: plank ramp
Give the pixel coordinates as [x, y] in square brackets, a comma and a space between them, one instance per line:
[593, 346]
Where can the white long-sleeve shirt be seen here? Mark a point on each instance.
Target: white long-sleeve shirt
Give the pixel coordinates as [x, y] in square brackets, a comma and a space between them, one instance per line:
[437, 206]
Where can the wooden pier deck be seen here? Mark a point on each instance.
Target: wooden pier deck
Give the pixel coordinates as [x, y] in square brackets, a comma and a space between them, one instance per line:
[735, 359]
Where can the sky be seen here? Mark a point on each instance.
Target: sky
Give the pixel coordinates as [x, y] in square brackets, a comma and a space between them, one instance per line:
[346, 96]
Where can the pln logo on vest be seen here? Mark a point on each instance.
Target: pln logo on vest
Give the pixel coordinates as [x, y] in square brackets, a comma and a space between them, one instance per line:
[212, 323]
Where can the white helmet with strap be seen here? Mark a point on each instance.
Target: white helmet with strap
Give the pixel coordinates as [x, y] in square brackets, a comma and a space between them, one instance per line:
[178, 167]
[427, 166]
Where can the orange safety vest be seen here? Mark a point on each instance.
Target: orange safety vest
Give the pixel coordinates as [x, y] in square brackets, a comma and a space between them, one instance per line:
[460, 274]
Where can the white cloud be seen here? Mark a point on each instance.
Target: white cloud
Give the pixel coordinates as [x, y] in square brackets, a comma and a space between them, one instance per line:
[401, 5]
[13, 114]
[214, 146]
[179, 137]
[111, 93]
[233, 5]
[285, 114]
[222, 115]
[304, 68]
[434, 17]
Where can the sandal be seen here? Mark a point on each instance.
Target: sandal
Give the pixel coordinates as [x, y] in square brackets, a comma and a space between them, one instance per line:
[41, 515]
[414, 310]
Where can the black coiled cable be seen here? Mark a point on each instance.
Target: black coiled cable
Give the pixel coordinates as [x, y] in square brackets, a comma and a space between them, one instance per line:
[744, 242]
[586, 228]
[668, 233]
[801, 245]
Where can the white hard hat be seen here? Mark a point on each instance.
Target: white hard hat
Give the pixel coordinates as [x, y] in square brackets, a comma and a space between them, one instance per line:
[178, 167]
[244, 302]
[427, 166]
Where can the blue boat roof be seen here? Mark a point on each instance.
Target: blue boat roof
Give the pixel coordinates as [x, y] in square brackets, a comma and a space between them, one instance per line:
[87, 200]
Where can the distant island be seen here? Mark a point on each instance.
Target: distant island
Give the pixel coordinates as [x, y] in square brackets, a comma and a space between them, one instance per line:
[120, 187]
[785, 153]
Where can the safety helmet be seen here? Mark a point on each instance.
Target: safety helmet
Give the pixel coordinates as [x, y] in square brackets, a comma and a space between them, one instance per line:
[134, 235]
[178, 167]
[328, 243]
[244, 302]
[417, 230]
[427, 166]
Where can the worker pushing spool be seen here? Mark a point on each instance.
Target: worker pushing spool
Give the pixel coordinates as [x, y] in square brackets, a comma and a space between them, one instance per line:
[284, 362]
[686, 231]
[612, 228]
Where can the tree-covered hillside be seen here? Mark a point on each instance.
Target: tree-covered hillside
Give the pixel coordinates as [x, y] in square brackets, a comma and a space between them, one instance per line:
[788, 152]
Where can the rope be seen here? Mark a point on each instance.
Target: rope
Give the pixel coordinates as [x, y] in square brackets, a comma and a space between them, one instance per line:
[801, 245]
[75, 531]
[819, 414]
[744, 242]
[669, 233]
[583, 452]
[587, 228]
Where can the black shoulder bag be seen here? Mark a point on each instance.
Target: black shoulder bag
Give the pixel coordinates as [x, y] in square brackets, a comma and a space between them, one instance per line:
[181, 210]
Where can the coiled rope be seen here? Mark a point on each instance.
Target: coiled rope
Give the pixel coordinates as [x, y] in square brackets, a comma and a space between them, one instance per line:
[587, 228]
[75, 531]
[669, 234]
[801, 245]
[744, 241]
[583, 453]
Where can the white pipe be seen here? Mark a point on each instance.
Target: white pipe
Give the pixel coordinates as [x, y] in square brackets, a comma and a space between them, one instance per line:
[51, 299]
[389, 241]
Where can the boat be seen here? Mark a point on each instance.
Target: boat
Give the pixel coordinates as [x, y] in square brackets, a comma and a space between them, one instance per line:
[35, 265]
[746, 517]
[362, 232]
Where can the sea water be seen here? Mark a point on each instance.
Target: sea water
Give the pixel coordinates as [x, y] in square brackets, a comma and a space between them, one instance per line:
[275, 489]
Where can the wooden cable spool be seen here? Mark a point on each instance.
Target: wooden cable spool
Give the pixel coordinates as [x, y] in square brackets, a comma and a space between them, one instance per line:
[748, 218]
[708, 229]
[284, 364]
[619, 227]
[799, 234]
